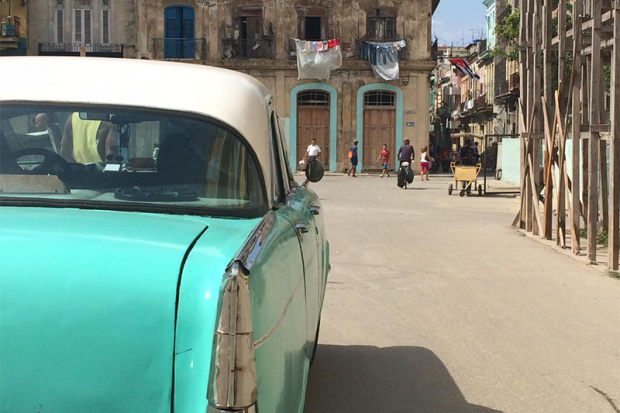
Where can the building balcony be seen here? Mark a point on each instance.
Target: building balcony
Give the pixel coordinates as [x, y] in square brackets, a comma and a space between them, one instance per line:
[74, 49]
[11, 42]
[507, 91]
[248, 48]
[10, 27]
[515, 81]
[180, 49]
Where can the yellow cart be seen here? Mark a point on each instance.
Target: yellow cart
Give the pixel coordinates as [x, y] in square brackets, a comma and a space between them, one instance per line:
[467, 176]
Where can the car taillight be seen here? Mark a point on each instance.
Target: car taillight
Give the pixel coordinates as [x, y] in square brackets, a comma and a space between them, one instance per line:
[232, 380]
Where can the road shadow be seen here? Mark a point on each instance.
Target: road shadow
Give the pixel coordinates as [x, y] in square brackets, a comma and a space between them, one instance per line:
[355, 379]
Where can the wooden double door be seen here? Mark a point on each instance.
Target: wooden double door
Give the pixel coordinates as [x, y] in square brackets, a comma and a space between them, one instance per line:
[379, 128]
[313, 122]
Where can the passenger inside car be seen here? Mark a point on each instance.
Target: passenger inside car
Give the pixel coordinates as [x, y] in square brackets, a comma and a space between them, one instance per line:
[88, 141]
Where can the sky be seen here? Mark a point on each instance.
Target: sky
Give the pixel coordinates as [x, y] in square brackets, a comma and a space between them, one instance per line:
[454, 20]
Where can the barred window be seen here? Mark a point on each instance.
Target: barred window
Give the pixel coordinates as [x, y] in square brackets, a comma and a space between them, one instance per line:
[379, 98]
[313, 98]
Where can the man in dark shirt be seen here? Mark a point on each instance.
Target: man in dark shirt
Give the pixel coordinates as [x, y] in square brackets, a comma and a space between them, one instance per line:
[467, 154]
[406, 153]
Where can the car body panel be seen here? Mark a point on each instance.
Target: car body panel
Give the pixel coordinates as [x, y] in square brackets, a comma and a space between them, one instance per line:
[200, 287]
[301, 201]
[278, 316]
[87, 308]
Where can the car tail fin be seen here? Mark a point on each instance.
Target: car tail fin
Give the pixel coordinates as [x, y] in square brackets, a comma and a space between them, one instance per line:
[232, 381]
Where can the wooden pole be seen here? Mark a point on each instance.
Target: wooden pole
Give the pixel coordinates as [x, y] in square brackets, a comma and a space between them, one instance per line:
[523, 104]
[603, 183]
[548, 97]
[562, 53]
[538, 122]
[614, 183]
[595, 118]
[576, 128]
[529, 224]
[562, 87]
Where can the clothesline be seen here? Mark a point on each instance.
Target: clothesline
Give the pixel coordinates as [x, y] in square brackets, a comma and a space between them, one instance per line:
[311, 46]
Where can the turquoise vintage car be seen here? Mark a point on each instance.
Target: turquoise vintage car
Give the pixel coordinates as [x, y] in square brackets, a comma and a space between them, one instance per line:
[156, 254]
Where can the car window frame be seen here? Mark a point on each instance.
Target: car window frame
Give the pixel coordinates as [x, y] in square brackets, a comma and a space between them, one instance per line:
[258, 211]
[281, 184]
[285, 153]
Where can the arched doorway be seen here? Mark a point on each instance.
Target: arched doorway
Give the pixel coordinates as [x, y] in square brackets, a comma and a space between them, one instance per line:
[379, 125]
[179, 32]
[313, 122]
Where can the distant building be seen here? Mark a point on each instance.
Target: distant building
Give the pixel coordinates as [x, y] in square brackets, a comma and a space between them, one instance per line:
[254, 37]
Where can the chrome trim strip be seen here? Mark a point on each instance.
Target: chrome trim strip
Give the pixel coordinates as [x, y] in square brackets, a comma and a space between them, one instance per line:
[250, 251]
[264, 338]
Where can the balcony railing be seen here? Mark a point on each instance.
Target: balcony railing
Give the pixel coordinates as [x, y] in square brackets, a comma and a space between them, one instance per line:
[10, 26]
[73, 49]
[180, 48]
[248, 48]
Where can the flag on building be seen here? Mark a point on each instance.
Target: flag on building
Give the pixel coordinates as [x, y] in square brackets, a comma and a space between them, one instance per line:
[462, 65]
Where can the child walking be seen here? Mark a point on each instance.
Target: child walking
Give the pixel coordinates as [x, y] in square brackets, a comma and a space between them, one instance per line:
[425, 163]
[385, 159]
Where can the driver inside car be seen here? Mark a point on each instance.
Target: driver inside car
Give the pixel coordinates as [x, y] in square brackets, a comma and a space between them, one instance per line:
[88, 141]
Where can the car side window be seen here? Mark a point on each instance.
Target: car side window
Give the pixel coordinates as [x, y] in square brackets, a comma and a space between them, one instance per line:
[283, 185]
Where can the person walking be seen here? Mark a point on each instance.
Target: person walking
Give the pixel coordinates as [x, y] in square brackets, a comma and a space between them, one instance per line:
[425, 163]
[313, 152]
[353, 156]
[385, 160]
[406, 153]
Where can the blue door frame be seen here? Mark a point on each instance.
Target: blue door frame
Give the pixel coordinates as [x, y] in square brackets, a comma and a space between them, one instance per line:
[179, 32]
[360, 119]
[333, 122]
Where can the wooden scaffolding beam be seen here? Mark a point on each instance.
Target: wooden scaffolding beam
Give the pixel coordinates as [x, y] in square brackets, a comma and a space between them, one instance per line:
[571, 120]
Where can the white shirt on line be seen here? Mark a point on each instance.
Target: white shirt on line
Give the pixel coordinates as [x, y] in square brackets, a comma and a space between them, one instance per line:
[313, 150]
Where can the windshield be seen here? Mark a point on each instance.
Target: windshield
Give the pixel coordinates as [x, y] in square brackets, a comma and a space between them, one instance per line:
[98, 157]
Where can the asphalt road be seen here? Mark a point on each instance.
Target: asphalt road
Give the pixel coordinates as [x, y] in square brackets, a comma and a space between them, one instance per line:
[436, 305]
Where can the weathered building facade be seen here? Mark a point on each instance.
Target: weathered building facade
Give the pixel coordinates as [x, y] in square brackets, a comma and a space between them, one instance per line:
[254, 37]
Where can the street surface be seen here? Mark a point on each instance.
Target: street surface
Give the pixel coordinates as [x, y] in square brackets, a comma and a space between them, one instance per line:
[436, 305]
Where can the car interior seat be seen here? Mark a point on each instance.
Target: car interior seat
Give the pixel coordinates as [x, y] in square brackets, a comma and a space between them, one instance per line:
[178, 161]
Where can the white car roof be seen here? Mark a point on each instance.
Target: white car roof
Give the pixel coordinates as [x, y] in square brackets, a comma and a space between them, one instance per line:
[231, 97]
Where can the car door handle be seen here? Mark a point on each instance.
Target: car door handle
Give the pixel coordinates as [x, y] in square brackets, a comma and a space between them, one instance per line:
[315, 210]
[302, 228]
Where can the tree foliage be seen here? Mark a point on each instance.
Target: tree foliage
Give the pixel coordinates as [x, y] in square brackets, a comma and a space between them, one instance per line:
[507, 32]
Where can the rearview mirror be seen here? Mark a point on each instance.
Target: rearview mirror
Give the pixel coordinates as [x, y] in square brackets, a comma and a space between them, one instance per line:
[315, 171]
[96, 116]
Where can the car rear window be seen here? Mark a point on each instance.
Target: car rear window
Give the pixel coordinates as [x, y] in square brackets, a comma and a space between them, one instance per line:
[136, 159]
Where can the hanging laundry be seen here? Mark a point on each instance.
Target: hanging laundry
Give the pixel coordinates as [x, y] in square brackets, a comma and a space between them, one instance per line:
[333, 43]
[316, 60]
[336, 57]
[383, 58]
